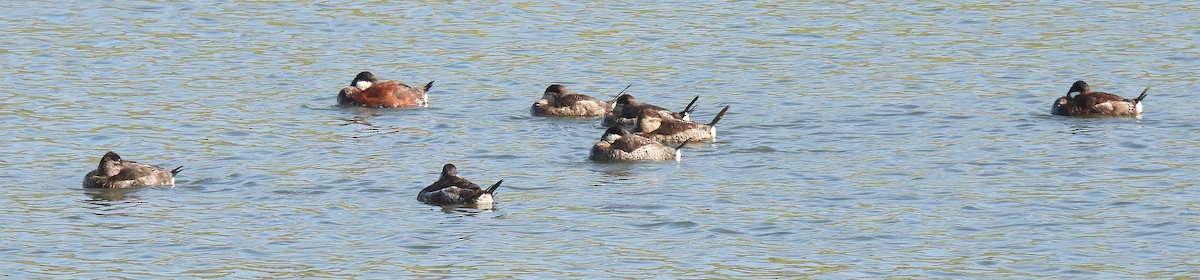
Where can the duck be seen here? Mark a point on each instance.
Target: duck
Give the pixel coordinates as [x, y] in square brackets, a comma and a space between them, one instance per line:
[558, 101]
[1088, 102]
[662, 127]
[368, 91]
[618, 144]
[451, 189]
[113, 172]
[626, 109]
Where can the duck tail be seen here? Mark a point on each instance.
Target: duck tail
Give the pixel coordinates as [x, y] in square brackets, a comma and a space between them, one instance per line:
[687, 110]
[492, 189]
[719, 116]
[176, 170]
[619, 94]
[428, 86]
[682, 144]
[1142, 96]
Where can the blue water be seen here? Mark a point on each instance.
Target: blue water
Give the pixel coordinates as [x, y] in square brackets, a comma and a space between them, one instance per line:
[865, 140]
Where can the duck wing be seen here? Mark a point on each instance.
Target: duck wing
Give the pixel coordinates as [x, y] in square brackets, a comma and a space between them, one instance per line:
[568, 100]
[631, 142]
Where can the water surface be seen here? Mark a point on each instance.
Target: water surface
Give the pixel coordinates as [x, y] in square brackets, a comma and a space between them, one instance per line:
[865, 140]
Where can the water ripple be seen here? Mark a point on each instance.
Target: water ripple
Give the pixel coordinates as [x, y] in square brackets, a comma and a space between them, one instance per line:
[864, 140]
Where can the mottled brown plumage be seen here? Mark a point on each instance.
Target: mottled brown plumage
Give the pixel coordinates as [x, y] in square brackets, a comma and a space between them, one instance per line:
[558, 101]
[661, 127]
[626, 110]
[617, 144]
[113, 172]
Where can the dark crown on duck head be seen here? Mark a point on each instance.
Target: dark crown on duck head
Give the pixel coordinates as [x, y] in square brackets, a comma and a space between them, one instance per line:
[449, 170]
[616, 130]
[1079, 87]
[556, 88]
[626, 99]
[363, 76]
[110, 156]
[109, 165]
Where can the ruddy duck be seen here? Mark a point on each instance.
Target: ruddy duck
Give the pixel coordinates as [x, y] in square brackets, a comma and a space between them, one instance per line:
[366, 90]
[451, 189]
[663, 128]
[558, 101]
[1088, 102]
[626, 110]
[617, 144]
[116, 173]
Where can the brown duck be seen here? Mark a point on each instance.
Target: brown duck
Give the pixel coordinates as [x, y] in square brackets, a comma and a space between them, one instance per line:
[626, 109]
[113, 172]
[659, 126]
[1088, 102]
[558, 101]
[366, 90]
[617, 144]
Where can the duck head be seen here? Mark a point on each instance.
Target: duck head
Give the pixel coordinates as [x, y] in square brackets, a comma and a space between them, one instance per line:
[623, 101]
[613, 133]
[553, 92]
[626, 99]
[363, 80]
[1066, 105]
[110, 165]
[1079, 87]
[449, 171]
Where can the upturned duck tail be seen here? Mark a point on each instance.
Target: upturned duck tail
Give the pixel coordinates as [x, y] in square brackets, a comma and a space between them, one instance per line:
[619, 94]
[719, 116]
[687, 110]
[428, 86]
[1142, 96]
[492, 189]
[176, 170]
[682, 144]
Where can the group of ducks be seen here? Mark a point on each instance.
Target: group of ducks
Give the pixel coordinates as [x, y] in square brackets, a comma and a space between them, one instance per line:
[635, 132]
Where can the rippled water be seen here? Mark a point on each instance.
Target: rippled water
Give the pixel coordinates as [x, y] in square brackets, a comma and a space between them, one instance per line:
[866, 140]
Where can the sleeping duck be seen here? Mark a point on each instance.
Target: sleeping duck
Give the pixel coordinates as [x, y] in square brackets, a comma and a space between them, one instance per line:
[113, 172]
[450, 189]
[617, 144]
[659, 126]
[558, 101]
[626, 110]
[368, 91]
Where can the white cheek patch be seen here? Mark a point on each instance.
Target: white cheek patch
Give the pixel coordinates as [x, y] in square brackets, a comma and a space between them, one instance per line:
[611, 137]
[363, 85]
